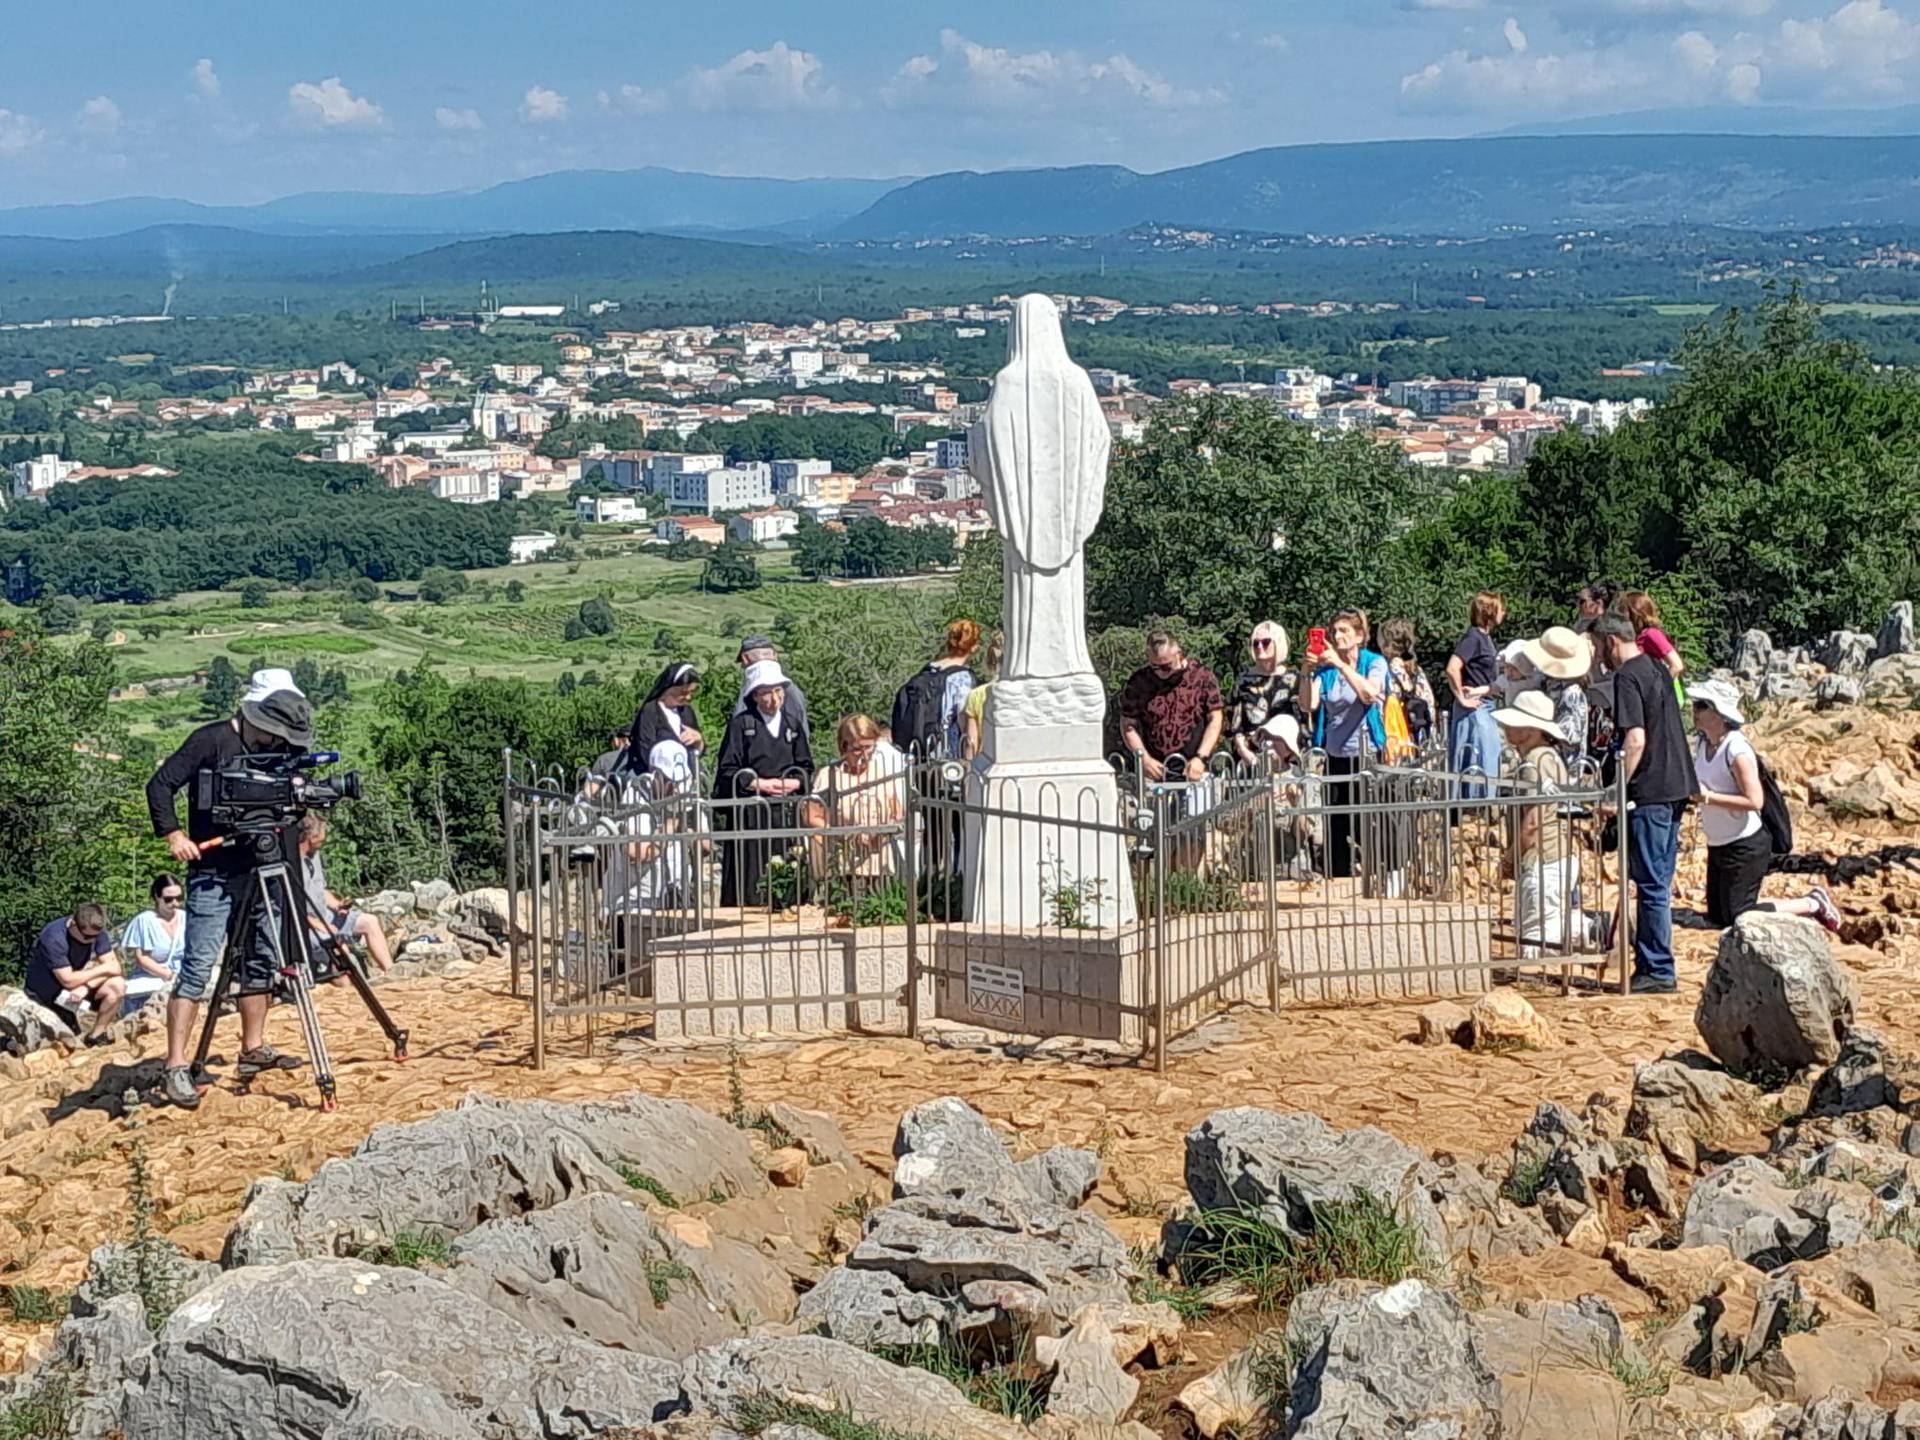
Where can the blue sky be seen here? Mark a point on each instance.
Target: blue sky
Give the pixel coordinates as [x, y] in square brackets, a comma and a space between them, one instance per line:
[223, 102]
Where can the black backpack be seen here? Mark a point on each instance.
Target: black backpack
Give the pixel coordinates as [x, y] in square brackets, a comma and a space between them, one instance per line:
[919, 713]
[1774, 816]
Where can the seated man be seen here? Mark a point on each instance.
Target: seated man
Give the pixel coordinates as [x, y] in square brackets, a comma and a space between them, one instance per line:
[340, 918]
[73, 964]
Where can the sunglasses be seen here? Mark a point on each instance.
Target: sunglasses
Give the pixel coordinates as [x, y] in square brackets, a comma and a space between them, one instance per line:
[1164, 669]
[1263, 644]
[174, 899]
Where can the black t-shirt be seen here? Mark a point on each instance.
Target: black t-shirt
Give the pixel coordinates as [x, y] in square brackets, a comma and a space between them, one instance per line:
[1478, 659]
[1643, 699]
[212, 746]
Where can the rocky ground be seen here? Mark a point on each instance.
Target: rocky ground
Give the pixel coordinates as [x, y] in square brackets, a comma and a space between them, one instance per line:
[1683, 1332]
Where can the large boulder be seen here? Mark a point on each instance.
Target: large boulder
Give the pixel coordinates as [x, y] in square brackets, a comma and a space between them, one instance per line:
[1836, 692]
[1748, 1207]
[1555, 1361]
[291, 1346]
[1752, 653]
[112, 1271]
[1683, 1101]
[597, 1267]
[975, 1242]
[816, 1373]
[1285, 1165]
[1894, 676]
[1844, 652]
[486, 1159]
[1856, 789]
[1401, 1361]
[1896, 632]
[28, 1024]
[1775, 996]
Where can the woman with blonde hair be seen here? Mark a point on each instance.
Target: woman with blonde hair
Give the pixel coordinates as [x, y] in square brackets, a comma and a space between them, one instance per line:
[1643, 614]
[1265, 689]
[973, 715]
[854, 793]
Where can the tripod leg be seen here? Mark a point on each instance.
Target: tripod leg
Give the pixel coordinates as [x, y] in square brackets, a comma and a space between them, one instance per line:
[239, 935]
[316, 1041]
[357, 977]
[287, 940]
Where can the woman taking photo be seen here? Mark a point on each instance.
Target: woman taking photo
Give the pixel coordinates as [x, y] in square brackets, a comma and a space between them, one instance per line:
[1265, 689]
[666, 714]
[1739, 850]
[151, 941]
[1343, 696]
[764, 762]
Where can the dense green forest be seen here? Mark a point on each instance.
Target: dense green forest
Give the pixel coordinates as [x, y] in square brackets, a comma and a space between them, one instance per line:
[234, 517]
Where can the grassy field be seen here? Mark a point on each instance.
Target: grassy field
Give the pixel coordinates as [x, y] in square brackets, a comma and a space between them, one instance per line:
[660, 609]
[1872, 310]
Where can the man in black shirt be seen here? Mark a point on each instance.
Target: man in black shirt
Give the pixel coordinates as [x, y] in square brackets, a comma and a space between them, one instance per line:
[280, 720]
[1660, 780]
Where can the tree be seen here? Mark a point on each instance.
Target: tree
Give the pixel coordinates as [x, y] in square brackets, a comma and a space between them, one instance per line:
[438, 584]
[62, 616]
[255, 595]
[515, 592]
[306, 678]
[819, 550]
[101, 627]
[223, 689]
[363, 590]
[575, 629]
[597, 616]
[730, 567]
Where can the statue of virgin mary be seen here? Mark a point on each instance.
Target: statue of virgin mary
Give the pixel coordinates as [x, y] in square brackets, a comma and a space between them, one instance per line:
[1040, 455]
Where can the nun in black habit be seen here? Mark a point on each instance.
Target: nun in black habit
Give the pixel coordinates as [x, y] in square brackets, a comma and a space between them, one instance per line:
[666, 714]
[765, 757]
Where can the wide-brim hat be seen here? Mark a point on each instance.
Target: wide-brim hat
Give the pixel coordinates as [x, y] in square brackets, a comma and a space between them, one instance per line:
[1561, 653]
[761, 674]
[284, 713]
[1284, 728]
[1721, 696]
[266, 681]
[669, 760]
[1530, 710]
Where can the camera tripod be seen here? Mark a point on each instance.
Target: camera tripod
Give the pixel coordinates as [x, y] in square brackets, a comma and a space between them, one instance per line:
[273, 915]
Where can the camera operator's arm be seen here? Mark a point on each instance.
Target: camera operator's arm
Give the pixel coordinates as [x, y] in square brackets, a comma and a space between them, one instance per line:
[176, 770]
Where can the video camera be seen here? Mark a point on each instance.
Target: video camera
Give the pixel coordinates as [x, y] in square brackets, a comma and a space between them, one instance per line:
[268, 792]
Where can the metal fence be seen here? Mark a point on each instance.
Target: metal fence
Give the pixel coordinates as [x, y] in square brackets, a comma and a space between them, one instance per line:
[1115, 907]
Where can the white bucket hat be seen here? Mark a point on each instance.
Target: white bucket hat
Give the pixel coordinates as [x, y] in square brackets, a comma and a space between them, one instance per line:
[1721, 696]
[668, 759]
[761, 674]
[265, 682]
[1530, 710]
[1561, 654]
[1285, 729]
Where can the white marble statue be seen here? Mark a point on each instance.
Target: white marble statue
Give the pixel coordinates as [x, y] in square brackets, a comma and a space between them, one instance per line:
[1040, 455]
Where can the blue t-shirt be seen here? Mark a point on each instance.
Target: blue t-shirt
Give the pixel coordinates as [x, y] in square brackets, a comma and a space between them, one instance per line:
[146, 932]
[1346, 717]
[56, 947]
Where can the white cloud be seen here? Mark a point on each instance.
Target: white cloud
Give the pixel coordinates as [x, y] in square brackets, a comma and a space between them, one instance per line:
[1516, 37]
[329, 105]
[634, 100]
[776, 78]
[18, 133]
[448, 118]
[99, 116]
[1518, 80]
[1275, 42]
[205, 80]
[1443, 4]
[1865, 44]
[1696, 53]
[1741, 9]
[1743, 84]
[541, 106]
[993, 76]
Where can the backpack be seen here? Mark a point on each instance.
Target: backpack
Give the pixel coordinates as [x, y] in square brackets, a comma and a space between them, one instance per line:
[919, 713]
[1775, 819]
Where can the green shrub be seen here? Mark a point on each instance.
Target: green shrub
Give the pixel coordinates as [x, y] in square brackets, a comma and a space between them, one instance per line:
[1363, 1239]
[413, 1248]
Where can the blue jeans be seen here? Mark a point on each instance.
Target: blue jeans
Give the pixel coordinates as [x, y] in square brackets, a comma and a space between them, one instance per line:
[211, 896]
[1473, 743]
[1653, 838]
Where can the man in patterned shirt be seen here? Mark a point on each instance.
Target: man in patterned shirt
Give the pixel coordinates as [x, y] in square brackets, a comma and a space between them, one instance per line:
[1171, 707]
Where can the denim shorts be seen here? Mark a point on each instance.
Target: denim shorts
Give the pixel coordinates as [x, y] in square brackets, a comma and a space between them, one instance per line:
[211, 896]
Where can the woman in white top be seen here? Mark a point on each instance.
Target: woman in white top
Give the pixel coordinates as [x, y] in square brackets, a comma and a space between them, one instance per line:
[1739, 850]
[152, 941]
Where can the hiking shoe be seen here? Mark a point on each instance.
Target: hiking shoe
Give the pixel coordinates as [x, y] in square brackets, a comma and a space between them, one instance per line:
[1648, 985]
[94, 1042]
[1824, 910]
[179, 1088]
[253, 1062]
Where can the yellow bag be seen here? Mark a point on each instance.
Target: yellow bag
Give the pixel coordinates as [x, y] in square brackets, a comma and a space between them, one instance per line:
[1399, 738]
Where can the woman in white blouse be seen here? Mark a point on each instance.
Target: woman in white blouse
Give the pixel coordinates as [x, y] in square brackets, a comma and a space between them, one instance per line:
[152, 939]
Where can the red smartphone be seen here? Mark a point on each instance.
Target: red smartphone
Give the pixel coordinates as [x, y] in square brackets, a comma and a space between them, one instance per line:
[1316, 639]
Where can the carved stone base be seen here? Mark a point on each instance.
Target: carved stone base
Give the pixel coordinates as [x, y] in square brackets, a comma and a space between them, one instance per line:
[1055, 719]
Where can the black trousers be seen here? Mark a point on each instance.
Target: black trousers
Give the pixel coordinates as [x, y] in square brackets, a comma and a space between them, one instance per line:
[1734, 873]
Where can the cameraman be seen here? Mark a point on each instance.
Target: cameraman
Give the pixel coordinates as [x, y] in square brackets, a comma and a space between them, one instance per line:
[270, 720]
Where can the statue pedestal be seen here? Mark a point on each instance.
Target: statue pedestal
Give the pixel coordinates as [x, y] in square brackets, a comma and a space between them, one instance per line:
[1041, 844]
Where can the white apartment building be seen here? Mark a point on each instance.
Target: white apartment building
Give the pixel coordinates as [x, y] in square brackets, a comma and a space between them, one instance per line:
[525, 549]
[798, 477]
[738, 487]
[609, 510]
[805, 364]
[663, 470]
[516, 374]
[501, 417]
[32, 479]
[762, 526]
[465, 487]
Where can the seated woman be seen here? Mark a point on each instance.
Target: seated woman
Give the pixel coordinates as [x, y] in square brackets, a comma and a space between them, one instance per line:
[1739, 850]
[763, 759]
[855, 793]
[152, 941]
